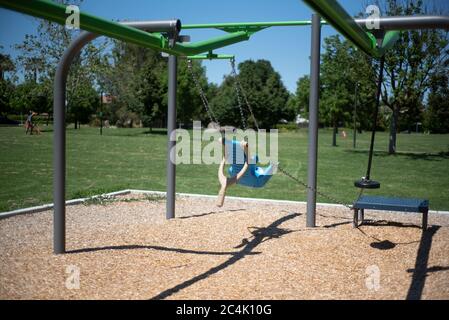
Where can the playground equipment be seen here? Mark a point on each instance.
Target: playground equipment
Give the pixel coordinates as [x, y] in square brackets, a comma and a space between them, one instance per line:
[389, 204]
[235, 153]
[163, 36]
[243, 169]
[373, 45]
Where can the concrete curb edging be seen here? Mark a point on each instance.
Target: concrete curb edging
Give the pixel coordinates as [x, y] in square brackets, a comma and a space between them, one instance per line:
[49, 206]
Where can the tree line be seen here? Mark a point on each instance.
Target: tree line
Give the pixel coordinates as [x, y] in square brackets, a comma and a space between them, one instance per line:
[135, 81]
[415, 89]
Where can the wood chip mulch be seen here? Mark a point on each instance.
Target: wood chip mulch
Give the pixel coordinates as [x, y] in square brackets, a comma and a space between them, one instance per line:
[244, 250]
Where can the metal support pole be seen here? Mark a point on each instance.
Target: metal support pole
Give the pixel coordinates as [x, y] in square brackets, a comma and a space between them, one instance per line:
[376, 112]
[59, 160]
[101, 113]
[354, 138]
[59, 109]
[171, 134]
[59, 165]
[313, 119]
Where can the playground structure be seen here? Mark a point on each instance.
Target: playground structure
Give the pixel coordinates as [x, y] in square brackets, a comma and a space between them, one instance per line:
[164, 36]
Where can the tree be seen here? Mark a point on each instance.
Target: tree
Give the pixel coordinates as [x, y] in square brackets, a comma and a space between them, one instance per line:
[189, 104]
[409, 65]
[437, 114]
[30, 95]
[151, 91]
[266, 95]
[6, 64]
[6, 85]
[6, 90]
[135, 83]
[39, 55]
[302, 95]
[83, 103]
[225, 103]
[343, 68]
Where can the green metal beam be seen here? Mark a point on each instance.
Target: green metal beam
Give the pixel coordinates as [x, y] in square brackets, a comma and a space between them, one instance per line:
[250, 27]
[57, 13]
[389, 40]
[336, 16]
[211, 56]
[190, 49]
[237, 32]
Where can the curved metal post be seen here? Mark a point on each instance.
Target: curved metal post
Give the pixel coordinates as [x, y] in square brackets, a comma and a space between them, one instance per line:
[59, 108]
[59, 158]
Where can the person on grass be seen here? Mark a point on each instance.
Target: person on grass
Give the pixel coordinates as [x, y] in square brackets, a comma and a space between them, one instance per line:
[29, 125]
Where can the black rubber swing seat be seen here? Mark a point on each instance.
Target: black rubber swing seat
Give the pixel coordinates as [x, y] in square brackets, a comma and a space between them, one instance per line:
[367, 184]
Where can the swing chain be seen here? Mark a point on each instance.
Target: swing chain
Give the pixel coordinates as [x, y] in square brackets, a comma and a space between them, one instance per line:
[203, 96]
[245, 97]
[305, 185]
[237, 90]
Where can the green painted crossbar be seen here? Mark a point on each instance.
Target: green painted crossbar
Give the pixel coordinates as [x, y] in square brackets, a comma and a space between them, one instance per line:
[57, 13]
[335, 15]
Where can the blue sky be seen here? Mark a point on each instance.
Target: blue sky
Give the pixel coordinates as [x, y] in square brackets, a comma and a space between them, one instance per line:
[287, 48]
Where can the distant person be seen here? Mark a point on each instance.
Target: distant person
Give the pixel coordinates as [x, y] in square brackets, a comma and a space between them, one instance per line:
[29, 124]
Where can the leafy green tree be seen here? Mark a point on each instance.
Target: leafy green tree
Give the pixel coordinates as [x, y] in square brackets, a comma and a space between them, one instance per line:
[151, 92]
[120, 82]
[135, 83]
[225, 103]
[302, 95]
[39, 55]
[6, 64]
[6, 85]
[189, 104]
[292, 105]
[409, 65]
[437, 114]
[30, 95]
[6, 90]
[142, 90]
[347, 77]
[266, 95]
[336, 81]
[83, 104]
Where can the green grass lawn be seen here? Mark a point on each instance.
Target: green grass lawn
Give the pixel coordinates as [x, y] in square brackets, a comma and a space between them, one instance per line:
[134, 158]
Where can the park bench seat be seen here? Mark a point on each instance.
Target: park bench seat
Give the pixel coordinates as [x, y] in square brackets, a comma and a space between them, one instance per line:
[390, 204]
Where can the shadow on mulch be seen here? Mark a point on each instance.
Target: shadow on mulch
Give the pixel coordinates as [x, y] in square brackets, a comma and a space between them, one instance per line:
[160, 248]
[421, 270]
[259, 235]
[209, 213]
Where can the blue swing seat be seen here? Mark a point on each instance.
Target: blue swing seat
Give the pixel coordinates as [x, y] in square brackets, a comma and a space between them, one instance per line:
[255, 176]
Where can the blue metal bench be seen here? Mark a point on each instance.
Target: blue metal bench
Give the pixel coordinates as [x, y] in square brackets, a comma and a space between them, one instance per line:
[389, 204]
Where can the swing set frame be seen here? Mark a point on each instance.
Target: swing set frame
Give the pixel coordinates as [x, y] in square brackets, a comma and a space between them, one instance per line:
[163, 36]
